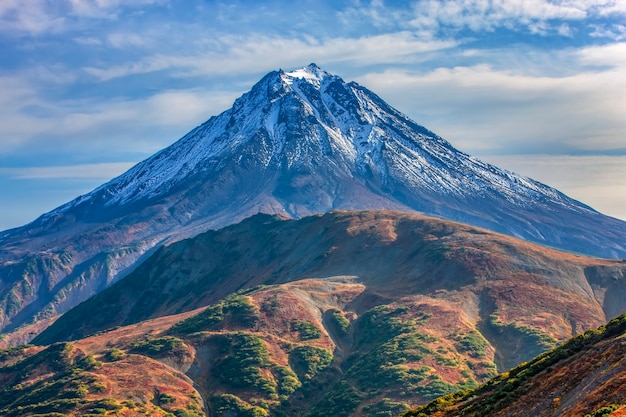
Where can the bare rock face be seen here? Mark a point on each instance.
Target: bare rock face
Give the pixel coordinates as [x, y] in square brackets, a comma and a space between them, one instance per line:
[299, 143]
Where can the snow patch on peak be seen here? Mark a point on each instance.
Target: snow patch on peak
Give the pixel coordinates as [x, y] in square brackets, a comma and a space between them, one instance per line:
[311, 73]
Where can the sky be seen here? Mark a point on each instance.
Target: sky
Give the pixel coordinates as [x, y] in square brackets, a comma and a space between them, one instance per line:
[88, 88]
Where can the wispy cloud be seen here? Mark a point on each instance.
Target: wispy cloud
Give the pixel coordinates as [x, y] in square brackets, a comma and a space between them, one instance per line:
[616, 32]
[36, 17]
[483, 110]
[139, 125]
[102, 171]
[428, 16]
[241, 55]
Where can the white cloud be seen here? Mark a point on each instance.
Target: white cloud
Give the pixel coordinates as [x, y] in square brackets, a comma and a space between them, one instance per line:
[482, 110]
[565, 30]
[33, 17]
[612, 55]
[105, 8]
[138, 125]
[254, 53]
[102, 171]
[616, 32]
[88, 41]
[429, 16]
[37, 17]
[123, 40]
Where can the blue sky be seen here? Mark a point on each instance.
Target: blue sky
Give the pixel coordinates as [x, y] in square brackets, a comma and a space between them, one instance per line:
[90, 87]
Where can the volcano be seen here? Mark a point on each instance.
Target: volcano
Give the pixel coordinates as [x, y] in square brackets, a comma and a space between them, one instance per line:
[298, 143]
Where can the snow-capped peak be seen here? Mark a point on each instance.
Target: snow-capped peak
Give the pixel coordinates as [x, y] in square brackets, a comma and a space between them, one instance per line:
[305, 141]
[311, 73]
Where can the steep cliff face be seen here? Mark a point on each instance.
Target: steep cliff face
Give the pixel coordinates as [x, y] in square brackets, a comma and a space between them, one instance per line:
[299, 143]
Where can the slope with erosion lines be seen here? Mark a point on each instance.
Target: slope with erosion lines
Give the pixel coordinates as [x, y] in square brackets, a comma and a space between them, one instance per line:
[521, 297]
[310, 347]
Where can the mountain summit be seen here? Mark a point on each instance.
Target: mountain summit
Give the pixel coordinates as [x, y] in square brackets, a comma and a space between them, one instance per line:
[300, 142]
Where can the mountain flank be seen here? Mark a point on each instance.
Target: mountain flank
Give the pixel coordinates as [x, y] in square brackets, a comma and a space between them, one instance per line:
[298, 143]
[393, 254]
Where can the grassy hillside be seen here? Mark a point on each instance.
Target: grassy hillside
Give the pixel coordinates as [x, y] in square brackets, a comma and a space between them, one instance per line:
[586, 376]
[63, 380]
[299, 349]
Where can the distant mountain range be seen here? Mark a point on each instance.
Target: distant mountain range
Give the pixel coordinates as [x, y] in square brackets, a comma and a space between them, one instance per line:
[349, 314]
[299, 143]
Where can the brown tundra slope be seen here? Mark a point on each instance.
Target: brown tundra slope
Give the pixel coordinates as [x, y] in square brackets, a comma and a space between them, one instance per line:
[585, 376]
[346, 314]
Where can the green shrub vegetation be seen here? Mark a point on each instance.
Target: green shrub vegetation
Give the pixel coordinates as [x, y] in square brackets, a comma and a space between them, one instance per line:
[58, 381]
[605, 411]
[341, 323]
[114, 354]
[230, 405]
[287, 380]
[472, 343]
[383, 322]
[385, 408]
[63, 389]
[532, 337]
[241, 360]
[233, 312]
[309, 361]
[157, 347]
[306, 329]
[339, 401]
[271, 305]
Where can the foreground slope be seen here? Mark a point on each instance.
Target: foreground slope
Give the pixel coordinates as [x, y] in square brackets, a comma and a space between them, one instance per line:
[298, 143]
[585, 376]
[309, 348]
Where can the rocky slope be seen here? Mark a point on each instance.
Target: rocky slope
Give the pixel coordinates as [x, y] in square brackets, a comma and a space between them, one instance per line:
[298, 143]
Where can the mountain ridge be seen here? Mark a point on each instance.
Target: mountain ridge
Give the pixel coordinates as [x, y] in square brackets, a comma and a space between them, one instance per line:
[385, 250]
